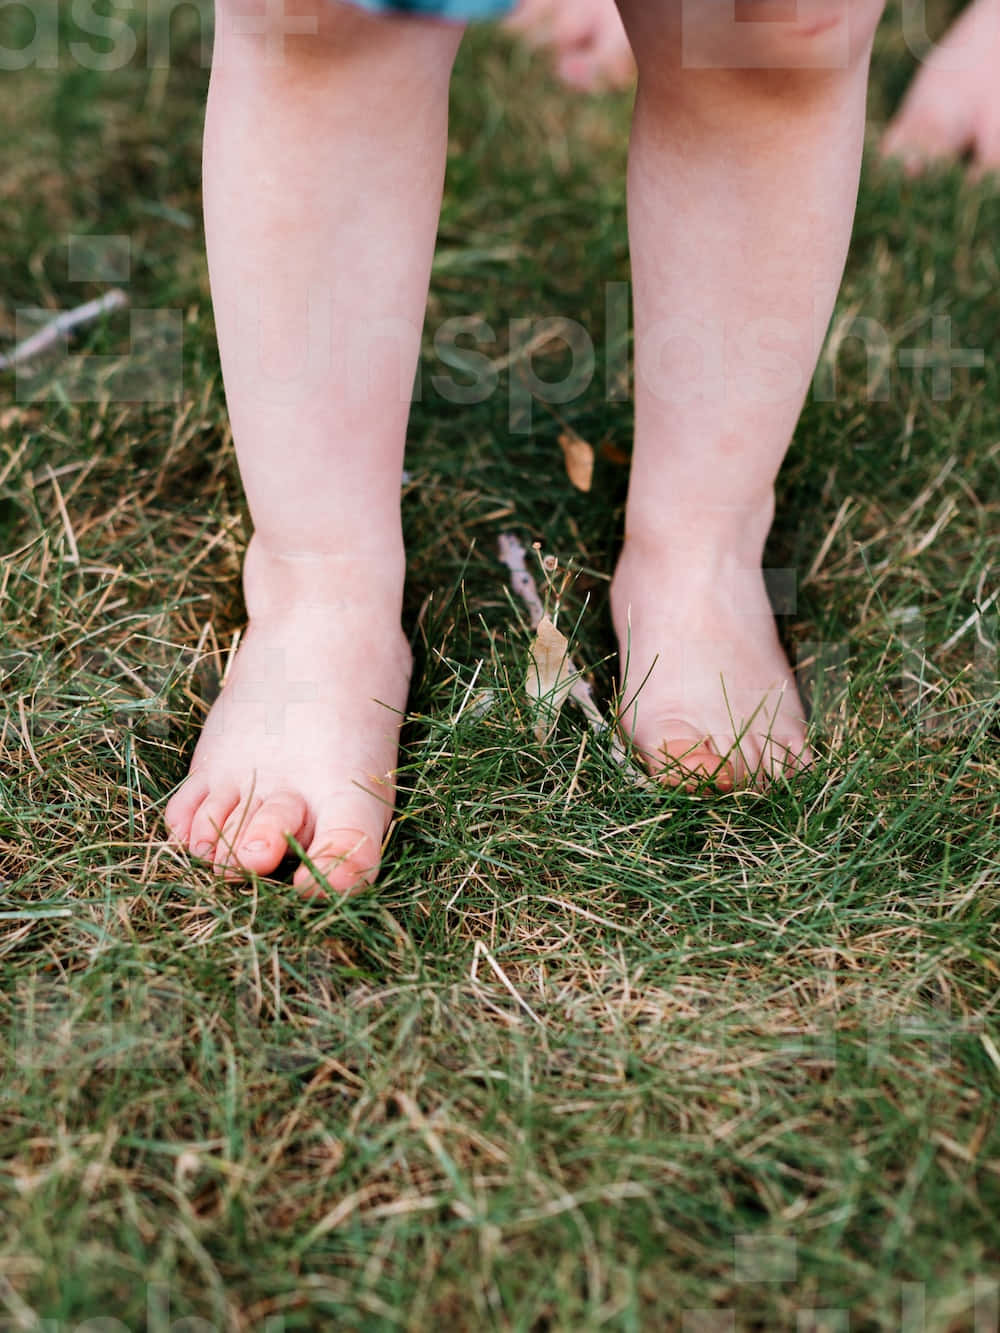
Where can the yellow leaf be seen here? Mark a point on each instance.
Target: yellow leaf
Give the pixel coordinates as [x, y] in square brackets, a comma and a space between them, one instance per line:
[579, 459]
[550, 676]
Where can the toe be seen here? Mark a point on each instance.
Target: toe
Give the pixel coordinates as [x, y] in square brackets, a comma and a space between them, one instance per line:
[782, 755]
[233, 831]
[261, 843]
[181, 808]
[686, 757]
[346, 859]
[798, 758]
[691, 766]
[210, 819]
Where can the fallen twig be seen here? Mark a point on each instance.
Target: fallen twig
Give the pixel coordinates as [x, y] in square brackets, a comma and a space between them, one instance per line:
[49, 334]
[514, 556]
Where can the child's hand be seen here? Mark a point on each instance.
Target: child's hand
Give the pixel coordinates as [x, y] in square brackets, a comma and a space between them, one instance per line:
[588, 41]
[952, 106]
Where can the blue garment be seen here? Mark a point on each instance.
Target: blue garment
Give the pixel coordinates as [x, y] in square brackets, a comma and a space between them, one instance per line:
[459, 11]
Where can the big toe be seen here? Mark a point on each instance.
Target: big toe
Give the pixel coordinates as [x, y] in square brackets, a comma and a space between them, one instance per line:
[684, 756]
[345, 860]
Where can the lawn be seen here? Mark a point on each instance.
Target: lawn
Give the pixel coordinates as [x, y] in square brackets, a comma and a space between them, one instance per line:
[593, 1055]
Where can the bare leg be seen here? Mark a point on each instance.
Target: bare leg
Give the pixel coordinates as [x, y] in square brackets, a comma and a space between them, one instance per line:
[742, 183]
[953, 104]
[324, 164]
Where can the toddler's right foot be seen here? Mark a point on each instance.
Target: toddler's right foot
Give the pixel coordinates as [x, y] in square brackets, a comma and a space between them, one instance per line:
[303, 739]
[587, 39]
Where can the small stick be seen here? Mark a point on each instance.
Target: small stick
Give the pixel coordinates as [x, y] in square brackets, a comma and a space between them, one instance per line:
[513, 555]
[49, 334]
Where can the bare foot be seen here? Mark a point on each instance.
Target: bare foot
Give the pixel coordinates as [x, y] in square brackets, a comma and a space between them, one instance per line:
[702, 618]
[952, 106]
[303, 739]
[587, 38]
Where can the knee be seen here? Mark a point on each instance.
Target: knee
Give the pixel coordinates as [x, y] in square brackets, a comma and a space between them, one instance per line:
[789, 40]
[792, 50]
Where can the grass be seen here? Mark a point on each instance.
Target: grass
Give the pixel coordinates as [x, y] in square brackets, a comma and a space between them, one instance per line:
[592, 1056]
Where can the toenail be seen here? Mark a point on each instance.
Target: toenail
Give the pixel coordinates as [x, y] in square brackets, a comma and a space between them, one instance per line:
[258, 845]
[202, 849]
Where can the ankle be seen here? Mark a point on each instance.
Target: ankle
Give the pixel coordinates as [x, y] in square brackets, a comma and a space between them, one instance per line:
[686, 532]
[323, 581]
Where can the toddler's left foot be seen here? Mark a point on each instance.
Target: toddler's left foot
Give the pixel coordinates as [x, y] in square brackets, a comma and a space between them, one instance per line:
[719, 701]
[587, 38]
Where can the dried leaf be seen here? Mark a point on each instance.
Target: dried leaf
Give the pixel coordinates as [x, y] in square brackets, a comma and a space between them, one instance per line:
[550, 677]
[614, 455]
[579, 458]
